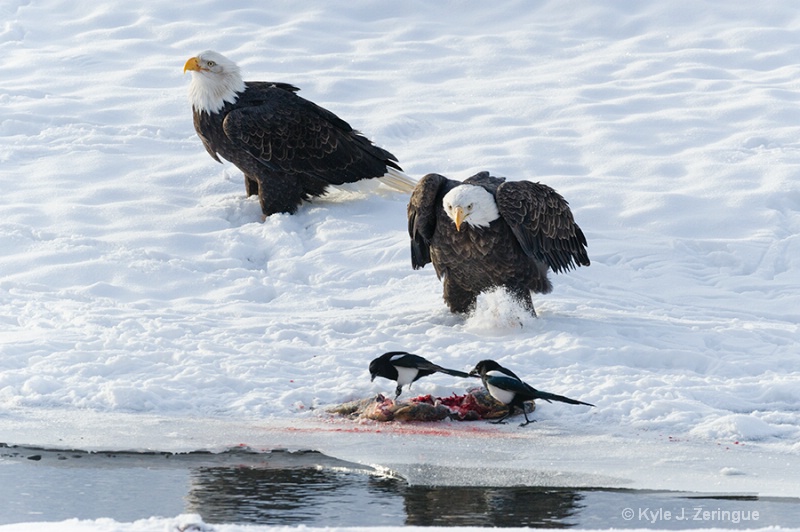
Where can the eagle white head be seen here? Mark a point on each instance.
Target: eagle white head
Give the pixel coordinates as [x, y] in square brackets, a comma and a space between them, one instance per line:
[215, 81]
[471, 204]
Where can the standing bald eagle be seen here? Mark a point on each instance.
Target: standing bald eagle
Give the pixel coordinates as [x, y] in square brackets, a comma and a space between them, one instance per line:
[288, 148]
[486, 233]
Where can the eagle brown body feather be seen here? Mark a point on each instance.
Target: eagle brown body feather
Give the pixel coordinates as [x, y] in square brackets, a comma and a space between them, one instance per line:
[535, 232]
[288, 148]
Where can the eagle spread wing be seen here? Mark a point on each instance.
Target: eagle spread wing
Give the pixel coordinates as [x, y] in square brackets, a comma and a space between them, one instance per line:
[422, 211]
[542, 222]
[486, 180]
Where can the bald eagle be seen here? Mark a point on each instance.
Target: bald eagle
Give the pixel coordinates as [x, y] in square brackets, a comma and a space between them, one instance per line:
[486, 233]
[288, 148]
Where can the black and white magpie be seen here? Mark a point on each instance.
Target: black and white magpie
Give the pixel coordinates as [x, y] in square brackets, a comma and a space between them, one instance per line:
[405, 368]
[504, 385]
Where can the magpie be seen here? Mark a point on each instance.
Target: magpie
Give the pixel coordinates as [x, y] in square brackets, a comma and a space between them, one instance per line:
[504, 385]
[406, 368]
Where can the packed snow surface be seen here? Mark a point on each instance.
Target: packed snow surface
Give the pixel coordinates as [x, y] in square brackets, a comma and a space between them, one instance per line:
[137, 279]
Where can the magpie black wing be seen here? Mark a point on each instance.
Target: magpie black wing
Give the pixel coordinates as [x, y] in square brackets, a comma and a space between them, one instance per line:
[509, 384]
[409, 360]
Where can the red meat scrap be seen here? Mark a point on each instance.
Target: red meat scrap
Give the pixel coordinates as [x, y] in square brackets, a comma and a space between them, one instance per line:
[474, 405]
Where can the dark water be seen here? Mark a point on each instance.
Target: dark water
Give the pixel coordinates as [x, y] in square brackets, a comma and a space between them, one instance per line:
[308, 488]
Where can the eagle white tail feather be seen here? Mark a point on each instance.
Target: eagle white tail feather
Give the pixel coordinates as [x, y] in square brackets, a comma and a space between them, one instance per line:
[397, 180]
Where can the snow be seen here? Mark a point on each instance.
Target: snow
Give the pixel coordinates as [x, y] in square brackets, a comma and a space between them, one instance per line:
[138, 283]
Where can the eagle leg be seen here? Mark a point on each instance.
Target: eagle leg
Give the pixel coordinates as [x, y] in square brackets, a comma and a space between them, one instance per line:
[279, 194]
[459, 300]
[250, 186]
[523, 295]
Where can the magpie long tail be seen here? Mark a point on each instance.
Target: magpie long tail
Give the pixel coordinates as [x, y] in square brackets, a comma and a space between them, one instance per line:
[455, 373]
[560, 398]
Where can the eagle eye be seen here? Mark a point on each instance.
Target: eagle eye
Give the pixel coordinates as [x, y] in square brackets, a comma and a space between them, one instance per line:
[211, 64]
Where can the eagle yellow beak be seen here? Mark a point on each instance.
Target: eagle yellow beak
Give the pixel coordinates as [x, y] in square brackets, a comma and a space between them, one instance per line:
[459, 218]
[191, 64]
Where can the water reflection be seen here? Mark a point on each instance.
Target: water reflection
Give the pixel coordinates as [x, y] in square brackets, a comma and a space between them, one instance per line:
[287, 496]
[314, 496]
[491, 507]
[344, 496]
[308, 488]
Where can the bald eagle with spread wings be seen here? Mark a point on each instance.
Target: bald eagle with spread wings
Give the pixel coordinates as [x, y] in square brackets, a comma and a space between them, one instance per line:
[487, 232]
[289, 149]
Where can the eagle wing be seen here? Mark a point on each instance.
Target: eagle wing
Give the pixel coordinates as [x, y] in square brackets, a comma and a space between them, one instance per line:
[486, 180]
[295, 136]
[543, 224]
[422, 211]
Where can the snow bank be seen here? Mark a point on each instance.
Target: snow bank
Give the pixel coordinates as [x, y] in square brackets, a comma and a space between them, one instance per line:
[137, 278]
